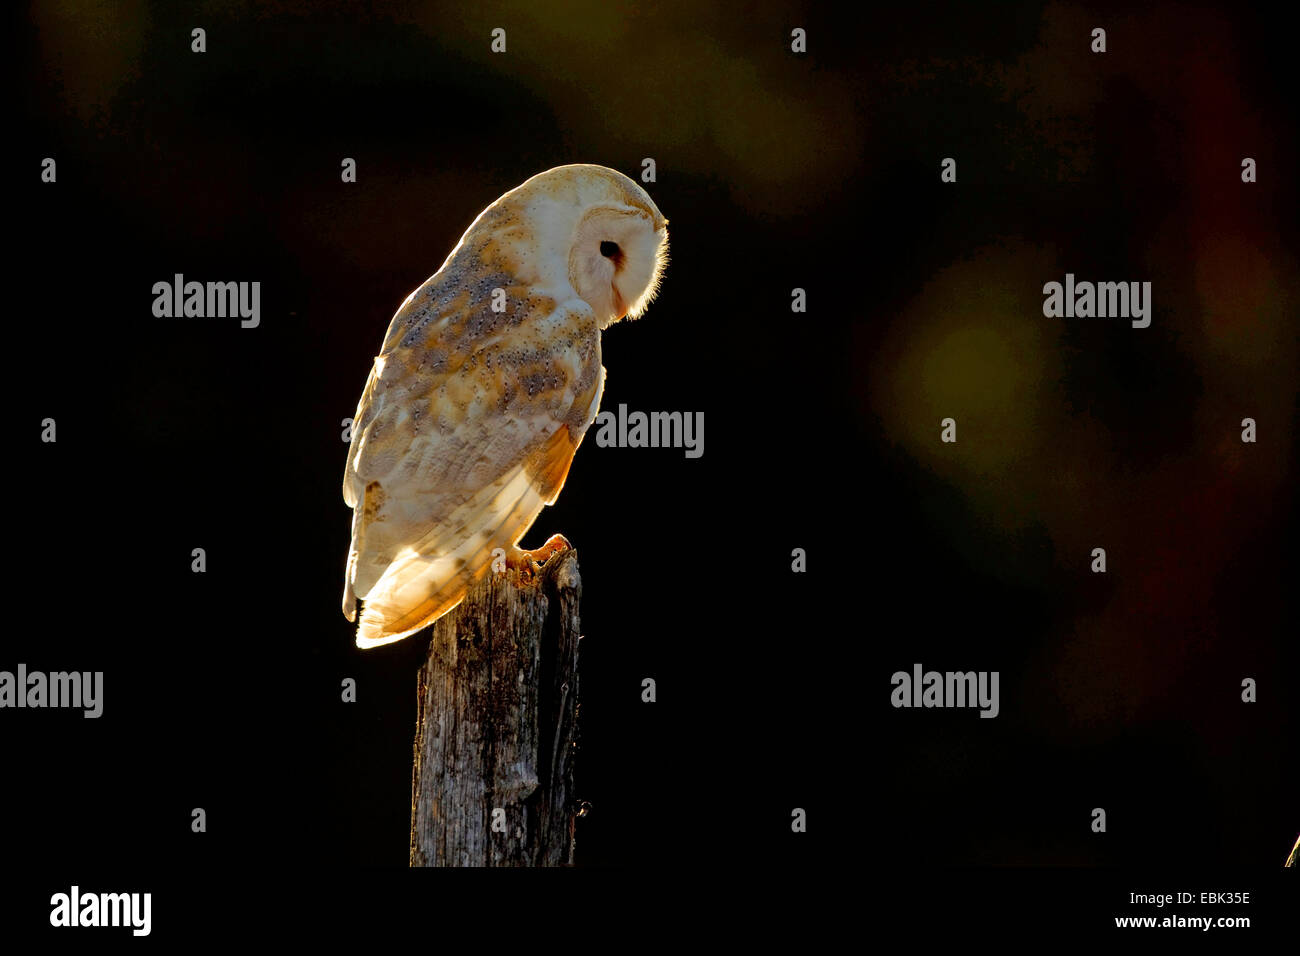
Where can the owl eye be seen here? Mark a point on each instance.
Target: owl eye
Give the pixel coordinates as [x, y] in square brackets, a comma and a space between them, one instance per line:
[610, 250]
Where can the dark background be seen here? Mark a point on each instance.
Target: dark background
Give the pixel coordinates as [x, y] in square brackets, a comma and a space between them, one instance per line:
[821, 171]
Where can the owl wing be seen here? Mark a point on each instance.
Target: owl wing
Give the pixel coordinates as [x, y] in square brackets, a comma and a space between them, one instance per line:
[466, 429]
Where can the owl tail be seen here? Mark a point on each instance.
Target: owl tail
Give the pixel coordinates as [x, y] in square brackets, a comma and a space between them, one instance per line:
[432, 575]
[419, 588]
[406, 602]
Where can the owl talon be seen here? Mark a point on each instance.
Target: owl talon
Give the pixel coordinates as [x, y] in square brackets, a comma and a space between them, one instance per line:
[530, 563]
[555, 544]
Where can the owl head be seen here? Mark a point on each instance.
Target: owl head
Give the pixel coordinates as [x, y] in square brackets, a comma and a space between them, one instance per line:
[615, 236]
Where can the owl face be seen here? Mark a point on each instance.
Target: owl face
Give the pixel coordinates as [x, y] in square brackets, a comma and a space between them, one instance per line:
[617, 257]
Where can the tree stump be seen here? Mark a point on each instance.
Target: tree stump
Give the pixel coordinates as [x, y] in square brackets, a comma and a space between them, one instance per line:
[497, 724]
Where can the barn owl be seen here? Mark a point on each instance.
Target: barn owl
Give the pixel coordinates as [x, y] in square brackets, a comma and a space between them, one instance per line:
[488, 378]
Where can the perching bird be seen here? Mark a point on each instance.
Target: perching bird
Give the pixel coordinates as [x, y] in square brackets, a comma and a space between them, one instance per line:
[487, 380]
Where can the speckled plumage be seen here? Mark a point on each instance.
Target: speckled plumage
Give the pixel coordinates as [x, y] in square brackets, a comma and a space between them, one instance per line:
[471, 417]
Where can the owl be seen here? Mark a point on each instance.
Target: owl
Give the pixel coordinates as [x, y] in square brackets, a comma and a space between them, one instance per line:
[488, 378]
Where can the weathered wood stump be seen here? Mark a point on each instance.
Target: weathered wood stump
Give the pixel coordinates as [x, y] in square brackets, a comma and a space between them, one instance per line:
[497, 724]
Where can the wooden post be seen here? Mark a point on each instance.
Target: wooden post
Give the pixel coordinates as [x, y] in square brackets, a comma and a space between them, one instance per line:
[497, 725]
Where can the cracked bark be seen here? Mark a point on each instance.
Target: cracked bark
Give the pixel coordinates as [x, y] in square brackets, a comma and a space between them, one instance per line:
[497, 724]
